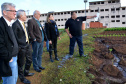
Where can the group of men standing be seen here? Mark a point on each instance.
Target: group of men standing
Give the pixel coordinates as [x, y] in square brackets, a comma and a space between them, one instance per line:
[16, 41]
[15, 44]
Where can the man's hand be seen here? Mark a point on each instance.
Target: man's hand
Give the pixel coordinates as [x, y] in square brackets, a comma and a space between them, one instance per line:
[11, 60]
[50, 42]
[59, 38]
[70, 36]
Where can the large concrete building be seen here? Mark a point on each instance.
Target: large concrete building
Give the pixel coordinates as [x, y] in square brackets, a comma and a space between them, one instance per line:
[111, 14]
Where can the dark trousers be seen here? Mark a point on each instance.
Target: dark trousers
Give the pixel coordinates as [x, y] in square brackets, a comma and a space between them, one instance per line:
[72, 44]
[53, 46]
[24, 57]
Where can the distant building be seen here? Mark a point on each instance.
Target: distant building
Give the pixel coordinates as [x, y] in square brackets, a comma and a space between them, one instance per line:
[111, 14]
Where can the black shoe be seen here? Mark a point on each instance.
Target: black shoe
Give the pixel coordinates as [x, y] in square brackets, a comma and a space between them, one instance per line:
[42, 68]
[25, 81]
[37, 70]
[51, 60]
[29, 74]
[57, 59]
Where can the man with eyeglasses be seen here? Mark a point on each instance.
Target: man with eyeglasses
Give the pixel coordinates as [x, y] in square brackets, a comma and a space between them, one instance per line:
[8, 45]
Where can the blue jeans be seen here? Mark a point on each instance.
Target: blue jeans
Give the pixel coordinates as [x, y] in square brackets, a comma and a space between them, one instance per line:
[72, 44]
[47, 45]
[37, 54]
[12, 79]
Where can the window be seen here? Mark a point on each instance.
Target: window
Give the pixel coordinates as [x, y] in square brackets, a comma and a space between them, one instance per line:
[102, 10]
[55, 19]
[106, 16]
[58, 13]
[91, 3]
[92, 10]
[112, 16]
[113, 21]
[64, 12]
[42, 14]
[62, 25]
[123, 15]
[86, 11]
[112, 9]
[109, 1]
[82, 11]
[117, 9]
[65, 19]
[98, 2]
[68, 12]
[106, 9]
[102, 17]
[117, 20]
[61, 13]
[123, 8]
[58, 25]
[102, 2]
[123, 23]
[55, 14]
[58, 19]
[113, 1]
[79, 11]
[117, 16]
[94, 3]
[61, 19]
[96, 10]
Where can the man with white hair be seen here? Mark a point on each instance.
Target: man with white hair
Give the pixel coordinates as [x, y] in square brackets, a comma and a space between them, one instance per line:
[8, 45]
[25, 50]
[37, 36]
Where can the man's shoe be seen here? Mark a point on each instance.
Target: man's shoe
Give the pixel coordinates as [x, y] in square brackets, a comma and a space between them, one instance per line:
[25, 81]
[83, 55]
[70, 56]
[37, 70]
[29, 74]
[42, 68]
[51, 60]
[57, 59]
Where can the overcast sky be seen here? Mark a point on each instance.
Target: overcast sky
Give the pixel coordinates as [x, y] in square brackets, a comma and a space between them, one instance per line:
[45, 6]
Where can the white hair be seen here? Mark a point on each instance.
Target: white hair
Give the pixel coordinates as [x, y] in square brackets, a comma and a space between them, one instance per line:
[19, 13]
[5, 6]
[35, 12]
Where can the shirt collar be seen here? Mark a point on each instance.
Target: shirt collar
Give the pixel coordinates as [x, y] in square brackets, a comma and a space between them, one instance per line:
[35, 18]
[8, 22]
[20, 21]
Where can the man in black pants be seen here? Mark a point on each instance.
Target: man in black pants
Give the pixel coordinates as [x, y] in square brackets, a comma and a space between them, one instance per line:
[24, 46]
[75, 32]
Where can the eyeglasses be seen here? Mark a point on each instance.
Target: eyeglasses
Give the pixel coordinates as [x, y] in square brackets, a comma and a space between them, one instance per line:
[12, 10]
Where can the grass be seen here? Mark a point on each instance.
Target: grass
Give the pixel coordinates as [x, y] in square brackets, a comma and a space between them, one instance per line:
[74, 71]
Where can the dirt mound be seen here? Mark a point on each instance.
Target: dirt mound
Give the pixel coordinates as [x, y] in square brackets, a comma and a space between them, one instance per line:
[120, 49]
[95, 72]
[122, 62]
[112, 71]
[107, 55]
[99, 81]
[96, 61]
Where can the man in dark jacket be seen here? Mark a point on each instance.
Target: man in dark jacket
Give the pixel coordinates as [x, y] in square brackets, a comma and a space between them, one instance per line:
[8, 45]
[37, 36]
[25, 50]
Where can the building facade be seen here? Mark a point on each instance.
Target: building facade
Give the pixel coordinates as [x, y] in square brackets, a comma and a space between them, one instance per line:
[111, 14]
